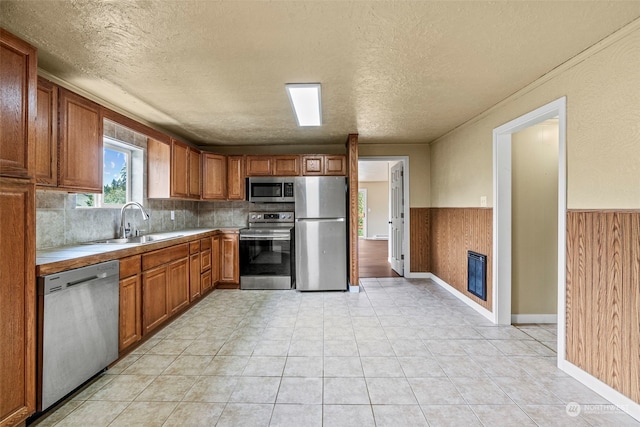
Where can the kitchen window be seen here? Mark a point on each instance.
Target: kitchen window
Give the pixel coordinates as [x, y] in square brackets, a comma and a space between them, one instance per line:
[120, 177]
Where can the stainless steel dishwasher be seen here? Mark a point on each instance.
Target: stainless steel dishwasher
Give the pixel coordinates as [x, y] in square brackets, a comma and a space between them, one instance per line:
[78, 328]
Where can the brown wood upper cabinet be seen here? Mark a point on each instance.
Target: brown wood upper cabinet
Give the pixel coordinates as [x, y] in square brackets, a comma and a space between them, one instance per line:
[288, 165]
[324, 164]
[223, 177]
[80, 143]
[18, 109]
[335, 165]
[158, 169]
[235, 178]
[185, 171]
[179, 169]
[195, 173]
[46, 139]
[174, 170]
[214, 171]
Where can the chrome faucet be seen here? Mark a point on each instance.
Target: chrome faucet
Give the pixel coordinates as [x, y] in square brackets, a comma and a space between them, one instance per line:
[145, 216]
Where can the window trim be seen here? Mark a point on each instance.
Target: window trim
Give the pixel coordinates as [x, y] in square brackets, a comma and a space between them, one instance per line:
[129, 150]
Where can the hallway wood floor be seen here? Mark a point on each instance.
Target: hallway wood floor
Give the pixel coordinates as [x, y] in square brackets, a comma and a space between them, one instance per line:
[372, 259]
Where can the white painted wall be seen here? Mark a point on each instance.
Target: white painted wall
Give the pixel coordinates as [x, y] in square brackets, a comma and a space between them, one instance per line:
[377, 206]
[534, 219]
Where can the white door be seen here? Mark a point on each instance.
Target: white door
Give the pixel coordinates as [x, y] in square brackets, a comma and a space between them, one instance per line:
[396, 220]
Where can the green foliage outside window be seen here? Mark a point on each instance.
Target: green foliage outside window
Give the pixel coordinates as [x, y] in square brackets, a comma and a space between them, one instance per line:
[116, 191]
[360, 214]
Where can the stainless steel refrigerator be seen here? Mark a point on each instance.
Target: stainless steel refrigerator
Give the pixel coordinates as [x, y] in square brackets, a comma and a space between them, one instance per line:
[321, 233]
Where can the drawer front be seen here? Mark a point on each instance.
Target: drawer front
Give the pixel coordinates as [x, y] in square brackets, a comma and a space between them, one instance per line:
[205, 244]
[130, 266]
[205, 260]
[194, 247]
[206, 281]
[163, 256]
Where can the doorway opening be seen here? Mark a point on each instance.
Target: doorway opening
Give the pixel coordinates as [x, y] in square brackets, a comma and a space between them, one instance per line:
[383, 241]
[509, 260]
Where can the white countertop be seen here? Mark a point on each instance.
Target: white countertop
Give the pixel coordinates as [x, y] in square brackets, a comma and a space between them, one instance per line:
[64, 253]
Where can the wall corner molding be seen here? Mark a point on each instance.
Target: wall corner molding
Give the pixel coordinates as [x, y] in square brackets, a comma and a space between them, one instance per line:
[582, 56]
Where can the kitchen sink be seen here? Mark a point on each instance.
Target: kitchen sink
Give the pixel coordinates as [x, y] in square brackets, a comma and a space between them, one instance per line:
[149, 238]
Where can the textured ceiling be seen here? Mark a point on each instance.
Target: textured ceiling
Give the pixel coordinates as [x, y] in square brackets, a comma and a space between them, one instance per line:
[213, 72]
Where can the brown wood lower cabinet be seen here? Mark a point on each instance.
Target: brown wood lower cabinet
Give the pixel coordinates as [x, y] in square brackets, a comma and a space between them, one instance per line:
[195, 287]
[156, 285]
[18, 298]
[229, 259]
[155, 309]
[165, 284]
[205, 265]
[205, 281]
[215, 259]
[130, 302]
[130, 307]
[178, 285]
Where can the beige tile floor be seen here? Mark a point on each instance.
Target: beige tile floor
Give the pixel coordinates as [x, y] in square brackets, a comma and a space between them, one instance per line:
[399, 353]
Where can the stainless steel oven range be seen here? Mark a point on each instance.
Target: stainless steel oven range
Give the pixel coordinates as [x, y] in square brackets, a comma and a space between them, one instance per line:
[267, 251]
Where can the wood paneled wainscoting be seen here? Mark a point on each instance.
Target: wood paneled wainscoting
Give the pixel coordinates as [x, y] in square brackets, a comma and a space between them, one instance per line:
[603, 296]
[453, 232]
[420, 245]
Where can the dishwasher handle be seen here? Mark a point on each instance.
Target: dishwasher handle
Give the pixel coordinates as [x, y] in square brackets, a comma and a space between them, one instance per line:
[87, 279]
[59, 282]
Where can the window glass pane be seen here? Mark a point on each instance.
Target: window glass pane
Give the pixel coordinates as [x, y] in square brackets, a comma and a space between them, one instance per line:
[85, 200]
[115, 176]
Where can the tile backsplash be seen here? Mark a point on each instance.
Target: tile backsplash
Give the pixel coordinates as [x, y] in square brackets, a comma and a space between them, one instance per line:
[59, 222]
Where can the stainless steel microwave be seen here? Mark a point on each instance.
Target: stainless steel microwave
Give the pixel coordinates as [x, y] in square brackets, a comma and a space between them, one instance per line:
[270, 189]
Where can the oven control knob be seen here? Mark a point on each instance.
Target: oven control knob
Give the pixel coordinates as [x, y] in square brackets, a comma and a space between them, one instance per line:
[253, 217]
[288, 216]
[259, 216]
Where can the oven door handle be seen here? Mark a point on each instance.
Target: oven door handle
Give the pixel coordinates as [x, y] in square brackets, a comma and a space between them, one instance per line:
[250, 237]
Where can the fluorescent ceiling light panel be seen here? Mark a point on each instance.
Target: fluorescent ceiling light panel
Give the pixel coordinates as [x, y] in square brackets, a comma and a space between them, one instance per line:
[306, 104]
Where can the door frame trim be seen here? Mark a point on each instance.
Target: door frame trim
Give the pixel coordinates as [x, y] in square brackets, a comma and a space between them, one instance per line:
[502, 212]
[405, 206]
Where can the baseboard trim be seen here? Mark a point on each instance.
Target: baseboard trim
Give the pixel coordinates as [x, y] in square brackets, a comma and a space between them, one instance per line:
[462, 297]
[354, 289]
[417, 275]
[534, 318]
[618, 399]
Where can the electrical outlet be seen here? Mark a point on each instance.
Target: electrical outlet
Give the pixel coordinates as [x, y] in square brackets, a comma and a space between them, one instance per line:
[173, 215]
[483, 201]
